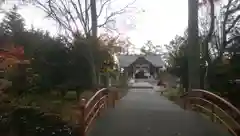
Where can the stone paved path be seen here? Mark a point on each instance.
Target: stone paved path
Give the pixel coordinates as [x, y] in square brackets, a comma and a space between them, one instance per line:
[143, 112]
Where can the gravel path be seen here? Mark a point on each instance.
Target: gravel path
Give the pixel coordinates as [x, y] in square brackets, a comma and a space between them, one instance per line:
[143, 112]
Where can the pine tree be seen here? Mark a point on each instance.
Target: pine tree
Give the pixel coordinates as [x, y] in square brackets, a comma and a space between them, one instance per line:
[13, 25]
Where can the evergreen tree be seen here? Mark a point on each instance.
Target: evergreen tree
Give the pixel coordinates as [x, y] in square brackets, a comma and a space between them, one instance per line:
[13, 26]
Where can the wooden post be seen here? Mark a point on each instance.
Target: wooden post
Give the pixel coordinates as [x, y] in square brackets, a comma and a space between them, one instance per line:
[116, 98]
[185, 103]
[237, 131]
[113, 98]
[99, 104]
[99, 79]
[213, 112]
[106, 93]
[82, 121]
[106, 80]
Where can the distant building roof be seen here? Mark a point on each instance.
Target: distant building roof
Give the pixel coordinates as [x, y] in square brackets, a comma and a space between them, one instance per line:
[126, 60]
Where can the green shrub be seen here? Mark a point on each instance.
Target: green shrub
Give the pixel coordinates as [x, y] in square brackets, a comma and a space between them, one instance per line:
[172, 94]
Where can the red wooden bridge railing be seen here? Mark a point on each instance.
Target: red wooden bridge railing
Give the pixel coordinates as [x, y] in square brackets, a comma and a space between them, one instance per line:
[216, 107]
[91, 109]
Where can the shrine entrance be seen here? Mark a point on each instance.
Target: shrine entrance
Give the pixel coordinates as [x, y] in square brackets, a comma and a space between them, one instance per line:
[140, 74]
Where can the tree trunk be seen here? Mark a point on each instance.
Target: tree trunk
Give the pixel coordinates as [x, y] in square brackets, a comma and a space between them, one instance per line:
[94, 36]
[93, 67]
[94, 18]
[193, 46]
[206, 54]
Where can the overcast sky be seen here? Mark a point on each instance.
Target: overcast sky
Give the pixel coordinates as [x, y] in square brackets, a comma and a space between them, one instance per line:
[156, 20]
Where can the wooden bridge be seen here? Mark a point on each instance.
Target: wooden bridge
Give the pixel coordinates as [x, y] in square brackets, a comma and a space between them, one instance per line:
[142, 113]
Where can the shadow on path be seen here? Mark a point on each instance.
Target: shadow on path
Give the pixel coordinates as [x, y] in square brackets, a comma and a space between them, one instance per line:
[146, 113]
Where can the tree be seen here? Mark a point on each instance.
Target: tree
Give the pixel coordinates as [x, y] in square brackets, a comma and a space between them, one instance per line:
[221, 70]
[69, 14]
[13, 25]
[12, 28]
[229, 25]
[222, 31]
[207, 26]
[150, 49]
[56, 62]
[74, 15]
[126, 45]
[193, 41]
[116, 44]
[17, 3]
[218, 30]
[111, 43]
[176, 59]
[94, 18]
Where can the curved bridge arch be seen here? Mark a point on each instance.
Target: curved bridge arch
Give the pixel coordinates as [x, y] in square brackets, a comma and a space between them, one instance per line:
[216, 107]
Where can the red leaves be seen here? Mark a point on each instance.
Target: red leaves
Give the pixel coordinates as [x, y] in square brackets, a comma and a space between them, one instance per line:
[17, 52]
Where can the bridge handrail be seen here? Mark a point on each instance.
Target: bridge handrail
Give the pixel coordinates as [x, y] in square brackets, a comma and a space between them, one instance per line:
[199, 98]
[91, 109]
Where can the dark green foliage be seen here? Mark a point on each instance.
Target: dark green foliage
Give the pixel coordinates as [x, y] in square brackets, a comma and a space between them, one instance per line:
[13, 26]
[32, 122]
[221, 74]
[223, 78]
[56, 63]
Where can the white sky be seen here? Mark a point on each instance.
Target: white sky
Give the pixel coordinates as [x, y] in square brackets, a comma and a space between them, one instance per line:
[161, 21]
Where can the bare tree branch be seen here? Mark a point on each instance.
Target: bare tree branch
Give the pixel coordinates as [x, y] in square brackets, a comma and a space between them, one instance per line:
[73, 16]
[232, 39]
[233, 24]
[225, 21]
[231, 8]
[67, 10]
[121, 11]
[102, 7]
[234, 10]
[210, 32]
[80, 15]
[87, 8]
[50, 13]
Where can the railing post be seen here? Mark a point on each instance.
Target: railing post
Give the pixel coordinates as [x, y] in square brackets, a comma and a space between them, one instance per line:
[237, 131]
[117, 95]
[106, 93]
[185, 103]
[99, 104]
[113, 98]
[82, 121]
[213, 112]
